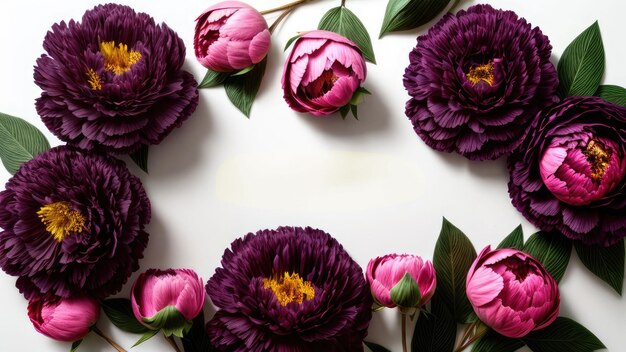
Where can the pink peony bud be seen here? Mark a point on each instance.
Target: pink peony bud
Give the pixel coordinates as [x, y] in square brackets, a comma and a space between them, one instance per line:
[67, 319]
[322, 73]
[168, 299]
[231, 36]
[512, 292]
[401, 280]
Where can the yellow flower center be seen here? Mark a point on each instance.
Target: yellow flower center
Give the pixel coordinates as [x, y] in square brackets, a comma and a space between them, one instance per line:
[61, 220]
[118, 59]
[598, 159]
[94, 80]
[482, 73]
[290, 288]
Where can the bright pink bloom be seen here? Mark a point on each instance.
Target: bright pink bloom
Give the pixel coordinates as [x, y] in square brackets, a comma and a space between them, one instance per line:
[512, 292]
[383, 273]
[66, 319]
[231, 36]
[322, 73]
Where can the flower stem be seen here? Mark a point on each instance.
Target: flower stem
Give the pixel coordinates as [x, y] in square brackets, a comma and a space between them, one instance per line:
[172, 342]
[285, 7]
[343, 3]
[280, 18]
[404, 347]
[454, 5]
[108, 339]
[473, 332]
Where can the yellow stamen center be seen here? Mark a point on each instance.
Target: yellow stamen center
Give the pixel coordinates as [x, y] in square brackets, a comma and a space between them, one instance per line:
[598, 159]
[94, 80]
[61, 220]
[290, 288]
[482, 73]
[118, 59]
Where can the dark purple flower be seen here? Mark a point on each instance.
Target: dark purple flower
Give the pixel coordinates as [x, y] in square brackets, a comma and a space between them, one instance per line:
[113, 81]
[568, 175]
[476, 80]
[289, 289]
[73, 223]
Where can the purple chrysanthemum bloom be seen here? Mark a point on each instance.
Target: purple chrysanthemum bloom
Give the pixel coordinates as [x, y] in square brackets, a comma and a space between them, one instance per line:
[289, 289]
[113, 81]
[476, 81]
[72, 224]
[568, 175]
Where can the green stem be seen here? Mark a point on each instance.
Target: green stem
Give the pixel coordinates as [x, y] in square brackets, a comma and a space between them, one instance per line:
[454, 5]
[343, 3]
[108, 339]
[404, 347]
[474, 332]
[285, 7]
[172, 342]
[280, 18]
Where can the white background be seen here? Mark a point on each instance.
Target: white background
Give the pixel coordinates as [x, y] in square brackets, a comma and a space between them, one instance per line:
[370, 183]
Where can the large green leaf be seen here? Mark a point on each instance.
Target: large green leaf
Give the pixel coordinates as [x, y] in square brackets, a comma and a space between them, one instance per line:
[140, 157]
[607, 263]
[407, 14]
[612, 94]
[582, 64]
[344, 22]
[514, 240]
[75, 345]
[494, 342]
[19, 142]
[145, 337]
[120, 312]
[436, 331]
[374, 347]
[563, 335]
[454, 255]
[212, 79]
[552, 250]
[242, 89]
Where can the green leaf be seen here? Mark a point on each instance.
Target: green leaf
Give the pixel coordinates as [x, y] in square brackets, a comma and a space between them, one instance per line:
[354, 111]
[344, 110]
[197, 340]
[374, 347]
[552, 250]
[120, 312]
[607, 263]
[514, 240]
[401, 15]
[453, 257]
[140, 157]
[170, 321]
[147, 336]
[19, 142]
[212, 79]
[494, 342]
[436, 331]
[582, 65]
[241, 90]
[612, 94]
[291, 40]
[75, 345]
[563, 335]
[244, 71]
[406, 293]
[345, 23]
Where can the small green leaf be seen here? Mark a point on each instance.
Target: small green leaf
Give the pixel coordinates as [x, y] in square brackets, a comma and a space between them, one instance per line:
[359, 95]
[612, 94]
[345, 23]
[244, 71]
[19, 142]
[147, 336]
[552, 250]
[344, 110]
[406, 293]
[354, 111]
[607, 263]
[563, 335]
[436, 331]
[453, 257]
[494, 342]
[197, 339]
[514, 240]
[401, 15]
[582, 65]
[374, 347]
[75, 345]
[140, 157]
[120, 312]
[242, 90]
[291, 40]
[170, 321]
[212, 79]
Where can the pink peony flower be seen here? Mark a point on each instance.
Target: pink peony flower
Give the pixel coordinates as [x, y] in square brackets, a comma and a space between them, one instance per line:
[322, 73]
[168, 299]
[512, 292]
[231, 36]
[389, 273]
[66, 319]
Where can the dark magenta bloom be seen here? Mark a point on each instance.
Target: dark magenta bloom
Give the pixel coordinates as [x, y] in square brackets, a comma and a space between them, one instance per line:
[113, 81]
[568, 175]
[290, 289]
[72, 224]
[476, 81]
